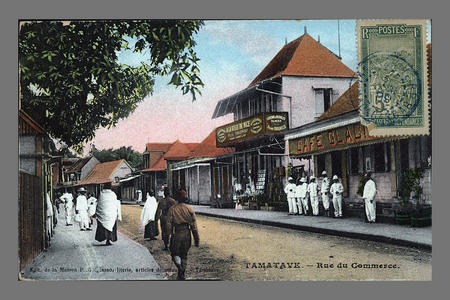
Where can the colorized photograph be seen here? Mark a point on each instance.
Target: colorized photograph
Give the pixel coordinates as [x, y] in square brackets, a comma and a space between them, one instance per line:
[224, 150]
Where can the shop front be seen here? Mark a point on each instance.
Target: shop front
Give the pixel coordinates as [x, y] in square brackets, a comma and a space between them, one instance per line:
[257, 164]
[342, 146]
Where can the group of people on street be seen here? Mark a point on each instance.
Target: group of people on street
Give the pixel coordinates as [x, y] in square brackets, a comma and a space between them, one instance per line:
[85, 208]
[303, 195]
[177, 221]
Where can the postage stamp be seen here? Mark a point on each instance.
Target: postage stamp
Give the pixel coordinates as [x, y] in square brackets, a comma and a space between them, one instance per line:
[393, 72]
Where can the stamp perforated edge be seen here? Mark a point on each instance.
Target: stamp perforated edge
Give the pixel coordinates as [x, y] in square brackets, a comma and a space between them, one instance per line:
[425, 129]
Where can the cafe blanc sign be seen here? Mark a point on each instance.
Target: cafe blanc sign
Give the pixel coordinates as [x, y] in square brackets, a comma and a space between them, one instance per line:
[330, 140]
[265, 123]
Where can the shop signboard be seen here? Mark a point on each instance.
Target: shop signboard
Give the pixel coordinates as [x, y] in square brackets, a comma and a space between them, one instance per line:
[251, 127]
[333, 139]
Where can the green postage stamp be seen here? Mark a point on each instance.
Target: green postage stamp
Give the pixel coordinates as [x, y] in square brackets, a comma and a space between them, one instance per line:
[393, 72]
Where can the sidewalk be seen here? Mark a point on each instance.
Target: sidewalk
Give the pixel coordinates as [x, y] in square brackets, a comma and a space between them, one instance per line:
[76, 255]
[347, 227]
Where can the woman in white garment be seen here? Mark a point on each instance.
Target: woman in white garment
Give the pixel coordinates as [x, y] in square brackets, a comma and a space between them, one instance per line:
[68, 207]
[148, 217]
[108, 212]
[49, 216]
[81, 208]
[92, 206]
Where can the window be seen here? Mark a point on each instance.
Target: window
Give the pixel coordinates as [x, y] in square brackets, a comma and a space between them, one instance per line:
[245, 109]
[322, 99]
[382, 157]
[252, 107]
[320, 163]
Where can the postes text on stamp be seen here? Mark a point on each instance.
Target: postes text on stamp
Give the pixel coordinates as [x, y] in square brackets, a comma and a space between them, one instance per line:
[393, 73]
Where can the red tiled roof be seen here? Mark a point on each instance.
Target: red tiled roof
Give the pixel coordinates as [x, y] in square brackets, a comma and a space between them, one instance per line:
[304, 56]
[180, 151]
[348, 101]
[101, 173]
[160, 165]
[158, 146]
[207, 148]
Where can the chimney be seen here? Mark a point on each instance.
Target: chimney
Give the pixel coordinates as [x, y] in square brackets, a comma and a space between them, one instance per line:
[285, 41]
[318, 38]
[305, 30]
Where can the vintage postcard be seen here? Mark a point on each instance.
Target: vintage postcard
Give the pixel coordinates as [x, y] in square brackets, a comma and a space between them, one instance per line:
[241, 150]
[393, 71]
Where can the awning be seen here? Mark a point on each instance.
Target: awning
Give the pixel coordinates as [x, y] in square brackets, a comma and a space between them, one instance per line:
[129, 178]
[226, 105]
[190, 166]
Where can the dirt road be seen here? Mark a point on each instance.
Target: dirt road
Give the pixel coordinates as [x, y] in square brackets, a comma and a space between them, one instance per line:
[233, 250]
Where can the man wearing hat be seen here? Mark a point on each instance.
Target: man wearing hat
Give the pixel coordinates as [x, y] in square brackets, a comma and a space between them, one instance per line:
[324, 191]
[370, 190]
[181, 222]
[67, 199]
[301, 190]
[81, 209]
[161, 213]
[336, 190]
[313, 195]
[289, 189]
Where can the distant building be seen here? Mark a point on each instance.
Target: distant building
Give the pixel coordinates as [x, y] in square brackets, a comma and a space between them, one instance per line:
[111, 171]
[74, 170]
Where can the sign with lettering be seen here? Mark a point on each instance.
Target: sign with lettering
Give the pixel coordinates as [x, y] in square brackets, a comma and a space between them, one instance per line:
[334, 139]
[264, 123]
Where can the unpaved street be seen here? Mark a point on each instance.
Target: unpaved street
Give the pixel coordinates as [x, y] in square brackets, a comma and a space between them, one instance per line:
[233, 250]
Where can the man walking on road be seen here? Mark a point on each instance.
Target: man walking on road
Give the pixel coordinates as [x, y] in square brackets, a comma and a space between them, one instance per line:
[336, 190]
[180, 222]
[81, 209]
[68, 207]
[370, 190]
[161, 213]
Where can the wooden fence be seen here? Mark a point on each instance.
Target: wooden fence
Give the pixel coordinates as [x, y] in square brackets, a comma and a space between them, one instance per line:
[31, 218]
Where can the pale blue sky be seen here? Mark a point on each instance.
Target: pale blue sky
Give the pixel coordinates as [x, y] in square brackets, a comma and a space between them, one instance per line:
[231, 54]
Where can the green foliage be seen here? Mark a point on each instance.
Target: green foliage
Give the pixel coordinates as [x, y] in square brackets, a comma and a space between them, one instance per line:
[72, 83]
[134, 158]
[411, 185]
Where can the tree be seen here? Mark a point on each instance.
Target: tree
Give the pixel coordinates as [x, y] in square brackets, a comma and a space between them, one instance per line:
[134, 158]
[71, 80]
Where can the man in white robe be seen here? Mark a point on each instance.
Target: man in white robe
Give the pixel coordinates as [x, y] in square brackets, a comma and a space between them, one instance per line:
[81, 209]
[67, 199]
[49, 216]
[289, 189]
[370, 190]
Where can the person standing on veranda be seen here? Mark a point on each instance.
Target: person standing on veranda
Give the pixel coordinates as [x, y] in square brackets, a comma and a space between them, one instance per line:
[289, 189]
[108, 212]
[324, 190]
[313, 195]
[161, 213]
[148, 217]
[81, 208]
[337, 189]
[370, 190]
[302, 201]
[181, 221]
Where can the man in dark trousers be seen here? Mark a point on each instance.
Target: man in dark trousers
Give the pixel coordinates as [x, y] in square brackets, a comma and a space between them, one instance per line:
[161, 213]
[180, 222]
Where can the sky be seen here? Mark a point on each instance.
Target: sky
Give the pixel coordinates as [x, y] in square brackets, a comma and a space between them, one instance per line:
[231, 53]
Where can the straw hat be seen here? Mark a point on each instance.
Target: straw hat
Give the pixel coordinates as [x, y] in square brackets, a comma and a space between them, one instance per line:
[324, 173]
[81, 189]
